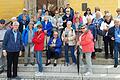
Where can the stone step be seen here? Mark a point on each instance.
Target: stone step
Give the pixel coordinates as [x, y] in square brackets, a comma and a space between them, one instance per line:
[60, 68]
[97, 61]
[63, 76]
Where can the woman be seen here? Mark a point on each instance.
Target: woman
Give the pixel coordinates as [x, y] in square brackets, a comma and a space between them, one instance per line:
[87, 44]
[69, 40]
[54, 48]
[106, 24]
[38, 41]
[86, 15]
[61, 11]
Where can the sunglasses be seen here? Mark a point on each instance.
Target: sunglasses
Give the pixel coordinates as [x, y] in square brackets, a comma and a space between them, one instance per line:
[82, 28]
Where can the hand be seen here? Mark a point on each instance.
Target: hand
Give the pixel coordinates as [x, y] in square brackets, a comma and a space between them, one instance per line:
[45, 31]
[20, 53]
[66, 39]
[64, 21]
[78, 43]
[112, 38]
[94, 40]
[52, 45]
[4, 53]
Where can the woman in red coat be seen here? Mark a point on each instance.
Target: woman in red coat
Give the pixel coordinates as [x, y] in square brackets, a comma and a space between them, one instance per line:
[87, 45]
[38, 41]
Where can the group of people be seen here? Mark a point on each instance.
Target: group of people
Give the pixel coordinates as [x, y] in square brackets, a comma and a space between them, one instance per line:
[68, 28]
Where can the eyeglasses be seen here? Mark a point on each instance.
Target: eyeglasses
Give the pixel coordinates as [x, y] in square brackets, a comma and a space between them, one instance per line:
[67, 11]
[82, 28]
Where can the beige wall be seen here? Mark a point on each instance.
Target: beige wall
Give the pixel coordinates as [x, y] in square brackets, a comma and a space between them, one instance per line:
[110, 5]
[10, 8]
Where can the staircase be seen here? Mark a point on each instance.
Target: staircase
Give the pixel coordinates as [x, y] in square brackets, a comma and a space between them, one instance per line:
[61, 72]
[102, 70]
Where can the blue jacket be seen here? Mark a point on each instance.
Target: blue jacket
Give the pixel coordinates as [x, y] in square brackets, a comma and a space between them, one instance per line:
[9, 43]
[58, 45]
[114, 32]
[23, 22]
[25, 35]
[97, 22]
[92, 27]
[71, 11]
[48, 27]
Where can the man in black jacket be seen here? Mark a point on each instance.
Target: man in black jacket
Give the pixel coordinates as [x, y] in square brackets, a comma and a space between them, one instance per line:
[113, 34]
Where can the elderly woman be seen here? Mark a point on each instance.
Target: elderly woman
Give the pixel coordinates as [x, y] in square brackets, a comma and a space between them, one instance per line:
[54, 48]
[87, 45]
[106, 24]
[69, 38]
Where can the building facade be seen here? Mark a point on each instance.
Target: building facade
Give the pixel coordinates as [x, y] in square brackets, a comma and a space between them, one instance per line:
[10, 8]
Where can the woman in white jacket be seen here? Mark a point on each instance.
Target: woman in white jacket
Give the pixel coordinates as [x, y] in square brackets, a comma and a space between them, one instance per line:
[68, 38]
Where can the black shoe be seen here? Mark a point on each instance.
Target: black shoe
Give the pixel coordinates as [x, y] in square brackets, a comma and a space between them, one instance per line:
[9, 78]
[47, 64]
[33, 63]
[112, 57]
[25, 64]
[99, 50]
[106, 57]
[115, 66]
[55, 64]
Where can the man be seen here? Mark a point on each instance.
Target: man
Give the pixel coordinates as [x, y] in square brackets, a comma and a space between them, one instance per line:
[23, 19]
[71, 9]
[67, 17]
[12, 46]
[54, 48]
[114, 34]
[27, 37]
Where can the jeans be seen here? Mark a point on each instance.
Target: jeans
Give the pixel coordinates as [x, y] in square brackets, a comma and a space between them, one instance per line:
[39, 60]
[116, 50]
[72, 53]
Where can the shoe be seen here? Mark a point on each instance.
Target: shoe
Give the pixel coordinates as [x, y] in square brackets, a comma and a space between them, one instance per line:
[47, 64]
[25, 64]
[9, 79]
[87, 73]
[73, 64]
[39, 74]
[55, 64]
[99, 50]
[106, 57]
[67, 64]
[33, 63]
[111, 57]
[115, 66]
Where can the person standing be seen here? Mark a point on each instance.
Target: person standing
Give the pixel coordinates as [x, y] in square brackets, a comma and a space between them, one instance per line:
[12, 38]
[23, 19]
[27, 36]
[69, 40]
[87, 44]
[38, 41]
[114, 34]
[106, 24]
